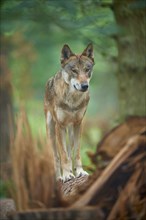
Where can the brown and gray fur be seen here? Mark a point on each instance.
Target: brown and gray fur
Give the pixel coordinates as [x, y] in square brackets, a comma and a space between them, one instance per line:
[66, 100]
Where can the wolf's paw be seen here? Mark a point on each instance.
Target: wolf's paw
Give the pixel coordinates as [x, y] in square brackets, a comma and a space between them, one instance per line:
[80, 172]
[59, 179]
[67, 175]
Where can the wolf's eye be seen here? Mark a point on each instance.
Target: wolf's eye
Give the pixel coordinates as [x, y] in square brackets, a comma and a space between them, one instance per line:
[74, 70]
[87, 70]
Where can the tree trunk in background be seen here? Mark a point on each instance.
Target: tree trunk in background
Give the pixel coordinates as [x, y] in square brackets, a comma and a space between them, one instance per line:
[130, 15]
[6, 112]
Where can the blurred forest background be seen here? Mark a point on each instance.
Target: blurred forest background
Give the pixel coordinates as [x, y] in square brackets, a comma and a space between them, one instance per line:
[32, 35]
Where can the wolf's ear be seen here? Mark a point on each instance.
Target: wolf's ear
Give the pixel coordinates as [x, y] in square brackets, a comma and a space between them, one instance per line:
[88, 52]
[66, 53]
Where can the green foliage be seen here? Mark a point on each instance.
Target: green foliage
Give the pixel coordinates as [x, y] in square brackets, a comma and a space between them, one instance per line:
[36, 17]
[139, 4]
[5, 187]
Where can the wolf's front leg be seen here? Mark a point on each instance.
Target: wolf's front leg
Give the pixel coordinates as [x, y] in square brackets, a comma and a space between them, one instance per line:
[66, 161]
[77, 158]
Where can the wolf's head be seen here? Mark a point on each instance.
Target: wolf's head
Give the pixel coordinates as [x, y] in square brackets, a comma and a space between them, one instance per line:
[77, 69]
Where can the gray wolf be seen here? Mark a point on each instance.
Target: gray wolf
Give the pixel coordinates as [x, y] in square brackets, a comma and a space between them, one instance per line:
[65, 104]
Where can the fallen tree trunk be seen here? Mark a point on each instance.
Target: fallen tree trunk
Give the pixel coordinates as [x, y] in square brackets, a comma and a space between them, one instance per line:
[115, 139]
[134, 150]
[129, 201]
[70, 189]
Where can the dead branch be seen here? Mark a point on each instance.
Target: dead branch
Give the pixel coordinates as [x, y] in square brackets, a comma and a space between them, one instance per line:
[116, 138]
[105, 190]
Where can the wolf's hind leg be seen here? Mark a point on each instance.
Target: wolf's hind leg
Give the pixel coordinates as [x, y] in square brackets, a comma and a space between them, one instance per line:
[52, 140]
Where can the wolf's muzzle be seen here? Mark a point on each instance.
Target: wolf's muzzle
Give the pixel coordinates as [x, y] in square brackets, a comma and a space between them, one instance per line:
[84, 87]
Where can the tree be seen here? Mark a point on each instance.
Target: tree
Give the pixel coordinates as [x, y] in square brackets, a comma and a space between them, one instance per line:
[131, 44]
[6, 110]
[130, 36]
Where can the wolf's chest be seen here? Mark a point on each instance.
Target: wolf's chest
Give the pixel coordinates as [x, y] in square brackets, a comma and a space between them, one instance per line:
[71, 107]
[65, 117]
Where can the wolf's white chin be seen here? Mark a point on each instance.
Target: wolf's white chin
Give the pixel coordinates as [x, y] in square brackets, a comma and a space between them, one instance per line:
[75, 84]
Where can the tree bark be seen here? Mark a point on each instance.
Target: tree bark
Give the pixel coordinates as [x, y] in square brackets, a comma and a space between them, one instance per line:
[130, 16]
[6, 110]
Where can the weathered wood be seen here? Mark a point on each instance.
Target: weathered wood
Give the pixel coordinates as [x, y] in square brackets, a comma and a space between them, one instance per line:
[105, 190]
[116, 138]
[71, 189]
[129, 198]
[61, 214]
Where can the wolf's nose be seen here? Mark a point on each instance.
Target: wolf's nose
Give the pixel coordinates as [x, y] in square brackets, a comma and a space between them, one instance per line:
[84, 87]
